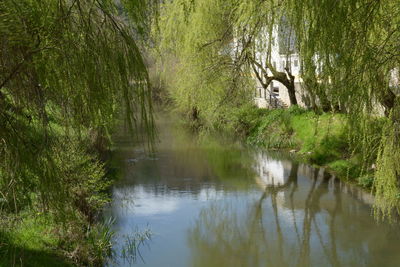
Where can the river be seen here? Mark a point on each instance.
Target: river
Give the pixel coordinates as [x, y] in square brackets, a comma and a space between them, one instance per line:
[209, 201]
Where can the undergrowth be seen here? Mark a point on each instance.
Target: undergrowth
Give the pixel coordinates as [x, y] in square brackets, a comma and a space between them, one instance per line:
[66, 229]
[320, 139]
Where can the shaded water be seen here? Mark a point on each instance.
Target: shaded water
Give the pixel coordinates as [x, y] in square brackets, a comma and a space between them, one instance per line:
[210, 202]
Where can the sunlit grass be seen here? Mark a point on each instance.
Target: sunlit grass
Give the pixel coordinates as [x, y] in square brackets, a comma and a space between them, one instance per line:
[30, 240]
[320, 139]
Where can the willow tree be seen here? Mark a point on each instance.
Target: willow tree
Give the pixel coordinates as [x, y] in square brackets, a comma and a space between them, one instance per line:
[349, 53]
[66, 68]
[261, 29]
[218, 46]
[209, 76]
[350, 59]
[355, 46]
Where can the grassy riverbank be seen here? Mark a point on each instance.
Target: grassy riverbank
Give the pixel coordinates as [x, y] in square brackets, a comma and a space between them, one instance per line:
[27, 239]
[60, 225]
[319, 139]
[30, 239]
[70, 71]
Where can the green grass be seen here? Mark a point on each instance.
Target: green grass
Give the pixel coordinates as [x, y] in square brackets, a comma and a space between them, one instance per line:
[320, 139]
[30, 240]
[323, 135]
[76, 187]
[37, 239]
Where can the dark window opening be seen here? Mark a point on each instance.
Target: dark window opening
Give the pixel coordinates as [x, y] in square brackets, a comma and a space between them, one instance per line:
[275, 91]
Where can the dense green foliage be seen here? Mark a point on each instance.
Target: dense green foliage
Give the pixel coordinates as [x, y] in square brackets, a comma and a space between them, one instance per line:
[69, 70]
[317, 138]
[349, 52]
[195, 42]
[357, 44]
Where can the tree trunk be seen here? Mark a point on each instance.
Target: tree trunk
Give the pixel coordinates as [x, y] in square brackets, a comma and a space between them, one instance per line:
[292, 94]
[286, 78]
[325, 103]
[289, 83]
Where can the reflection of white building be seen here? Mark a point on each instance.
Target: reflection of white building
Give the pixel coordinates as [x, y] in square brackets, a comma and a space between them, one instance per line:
[271, 172]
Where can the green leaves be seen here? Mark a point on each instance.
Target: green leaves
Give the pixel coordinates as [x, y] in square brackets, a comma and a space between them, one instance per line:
[199, 35]
[66, 67]
[348, 51]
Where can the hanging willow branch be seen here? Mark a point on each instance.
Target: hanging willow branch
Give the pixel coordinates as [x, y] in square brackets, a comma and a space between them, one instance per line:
[66, 67]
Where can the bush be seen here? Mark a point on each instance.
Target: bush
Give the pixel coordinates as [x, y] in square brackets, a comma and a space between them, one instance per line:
[245, 119]
[328, 149]
[65, 225]
[366, 181]
[342, 168]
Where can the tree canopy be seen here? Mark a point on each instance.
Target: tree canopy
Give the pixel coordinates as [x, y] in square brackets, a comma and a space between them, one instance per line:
[349, 53]
[66, 69]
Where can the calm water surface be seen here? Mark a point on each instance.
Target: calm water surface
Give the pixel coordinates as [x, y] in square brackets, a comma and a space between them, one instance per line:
[211, 202]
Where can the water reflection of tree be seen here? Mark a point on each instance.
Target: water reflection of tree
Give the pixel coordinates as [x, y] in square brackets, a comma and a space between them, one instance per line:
[224, 236]
[188, 166]
[311, 208]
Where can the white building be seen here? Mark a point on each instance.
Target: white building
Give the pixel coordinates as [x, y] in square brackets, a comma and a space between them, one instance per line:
[282, 54]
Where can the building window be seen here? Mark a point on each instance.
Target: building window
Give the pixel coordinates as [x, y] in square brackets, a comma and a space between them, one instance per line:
[296, 63]
[275, 90]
